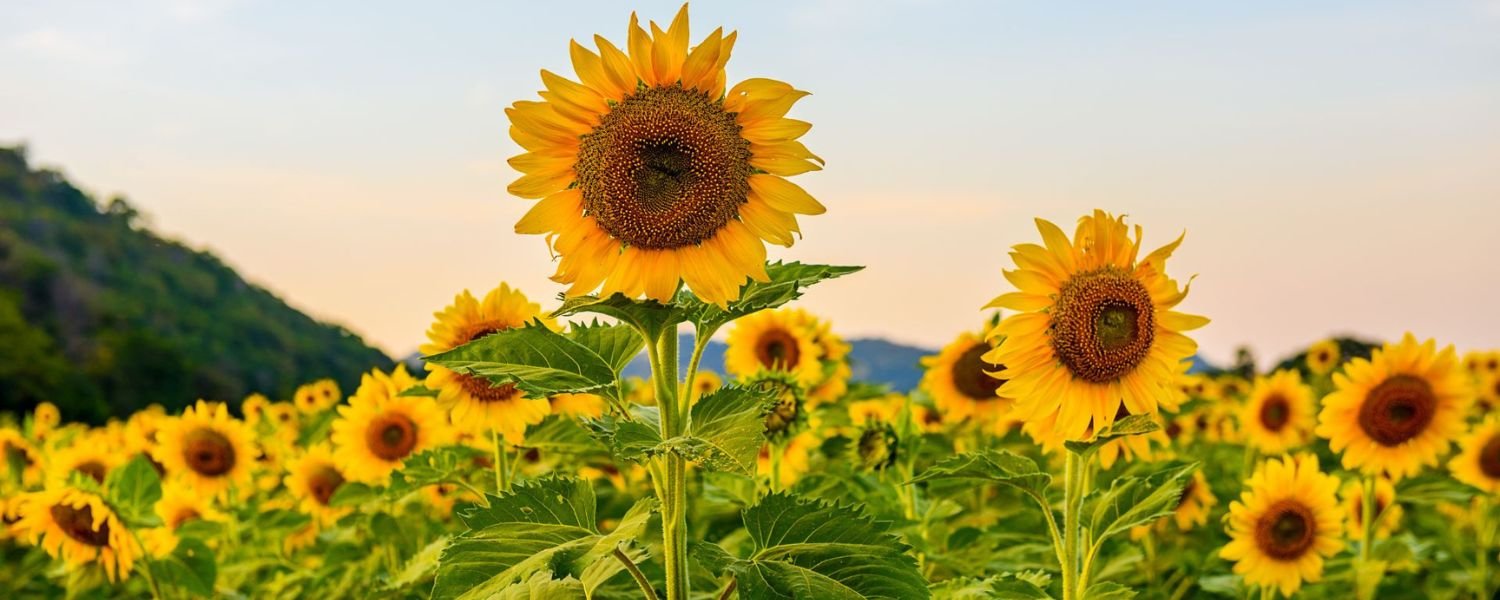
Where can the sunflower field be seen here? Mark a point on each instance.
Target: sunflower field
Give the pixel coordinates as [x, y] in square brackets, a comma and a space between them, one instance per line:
[1063, 448]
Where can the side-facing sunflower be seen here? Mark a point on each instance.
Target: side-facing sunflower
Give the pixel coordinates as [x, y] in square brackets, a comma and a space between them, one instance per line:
[312, 478]
[1323, 357]
[206, 448]
[378, 429]
[1387, 512]
[649, 174]
[963, 384]
[1478, 461]
[79, 528]
[783, 340]
[89, 455]
[1093, 329]
[476, 403]
[1285, 525]
[1279, 414]
[1398, 410]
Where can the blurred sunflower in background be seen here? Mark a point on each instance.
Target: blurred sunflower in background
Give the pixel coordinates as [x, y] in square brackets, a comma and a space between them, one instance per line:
[1398, 410]
[1093, 329]
[312, 478]
[253, 408]
[589, 406]
[87, 456]
[1387, 511]
[79, 528]
[179, 504]
[1285, 524]
[1279, 414]
[963, 384]
[1323, 357]
[17, 452]
[836, 370]
[316, 397]
[1194, 503]
[207, 448]
[1478, 460]
[1482, 362]
[782, 340]
[649, 174]
[706, 383]
[475, 402]
[378, 429]
[795, 459]
[1487, 393]
[284, 420]
[44, 418]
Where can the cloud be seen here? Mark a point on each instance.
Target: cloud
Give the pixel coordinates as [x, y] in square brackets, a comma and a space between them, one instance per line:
[56, 44]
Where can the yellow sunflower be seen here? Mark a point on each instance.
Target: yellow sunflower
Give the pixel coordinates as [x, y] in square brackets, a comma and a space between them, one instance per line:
[963, 384]
[1279, 415]
[1478, 460]
[1195, 503]
[475, 402]
[141, 430]
[1482, 362]
[1093, 330]
[1285, 525]
[378, 429]
[650, 175]
[207, 448]
[16, 450]
[835, 356]
[312, 478]
[775, 340]
[877, 410]
[316, 397]
[706, 383]
[1199, 386]
[1232, 387]
[1398, 410]
[79, 528]
[11, 509]
[588, 406]
[179, 504]
[284, 420]
[1488, 393]
[253, 408]
[1387, 511]
[796, 459]
[88, 455]
[1323, 357]
[44, 419]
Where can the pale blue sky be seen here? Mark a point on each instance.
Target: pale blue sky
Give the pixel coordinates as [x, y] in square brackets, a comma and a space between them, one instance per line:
[1336, 164]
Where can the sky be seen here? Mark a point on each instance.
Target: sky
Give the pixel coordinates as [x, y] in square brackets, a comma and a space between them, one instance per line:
[1336, 165]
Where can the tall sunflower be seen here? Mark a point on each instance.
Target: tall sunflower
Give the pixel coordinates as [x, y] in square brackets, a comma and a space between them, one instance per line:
[206, 448]
[1398, 410]
[1279, 415]
[378, 429]
[1285, 525]
[79, 528]
[963, 384]
[1093, 329]
[1478, 461]
[1323, 357]
[782, 340]
[312, 478]
[476, 403]
[649, 174]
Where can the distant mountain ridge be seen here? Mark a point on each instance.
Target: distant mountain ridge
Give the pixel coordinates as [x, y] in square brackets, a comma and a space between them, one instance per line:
[873, 360]
[103, 317]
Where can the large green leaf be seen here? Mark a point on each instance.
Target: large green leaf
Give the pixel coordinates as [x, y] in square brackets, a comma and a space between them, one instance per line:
[542, 586]
[539, 361]
[730, 423]
[1008, 586]
[1135, 501]
[805, 548]
[191, 568]
[649, 316]
[446, 464]
[633, 440]
[998, 466]
[616, 344]
[132, 490]
[787, 281]
[1128, 426]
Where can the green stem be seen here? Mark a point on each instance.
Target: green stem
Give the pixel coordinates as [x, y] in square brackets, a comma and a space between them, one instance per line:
[484, 501]
[502, 475]
[146, 556]
[674, 493]
[1150, 547]
[1072, 502]
[1485, 541]
[1368, 521]
[688, 393]
[635, 573]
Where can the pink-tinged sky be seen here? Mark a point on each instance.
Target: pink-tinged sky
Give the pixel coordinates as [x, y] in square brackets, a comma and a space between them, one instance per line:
[1337, 167]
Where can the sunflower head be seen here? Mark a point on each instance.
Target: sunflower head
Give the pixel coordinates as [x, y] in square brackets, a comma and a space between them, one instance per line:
[964, 385]
[1478, 460]
[1093, 328]
[1194, 503]
[1323, 357]
[1278, 416]
[649, 174]
[1285, 525]
[207, 448]
[1487, 391]
[1398, 410]
[317, 396]
[1387, 511]
[312, 479]
[776, 341]
[90, 455]
[19, 459]
[1482, 362]
[79, 528]
[877, 445]
[378, 429]
[706, 383]
[45, 418]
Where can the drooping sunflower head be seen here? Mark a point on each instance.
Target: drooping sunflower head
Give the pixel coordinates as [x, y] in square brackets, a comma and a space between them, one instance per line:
[378, 429]
[649, 174]
[1478, 460]
[1285, 525]
[79, 528]
[1323, 357]
[1093, 328]
[1398, 410]
[1387, 511]
[206, 448]
[89, 455]
[964, 385]
[475, 402]
[312, 478]
[782, 340]
[1279, 413]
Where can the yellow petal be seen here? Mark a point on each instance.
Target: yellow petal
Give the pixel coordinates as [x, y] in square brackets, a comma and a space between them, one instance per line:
[784, 195]
[640, 52]
[770, 224]
[620, 70]
[590, 70]
[698, 71]
[552, 213]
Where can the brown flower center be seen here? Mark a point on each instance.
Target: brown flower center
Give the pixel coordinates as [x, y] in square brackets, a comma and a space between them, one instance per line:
[93, 468]
[18, 454]
[665, 168]
[1187, 492]
[1397, 410]
[1103, 324]
[78, 523]
[1275, 413]
[207, 452]
[1286, 531]
[391, 436]
[783, 414]
[777, 349]
[323, 481]
[971, 374]
[479, 388]
[1489, 458]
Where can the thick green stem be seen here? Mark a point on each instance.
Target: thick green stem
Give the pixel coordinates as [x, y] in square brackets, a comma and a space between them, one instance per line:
[1072, 502]
[1368, 521]
[673, 483]
[502, 467]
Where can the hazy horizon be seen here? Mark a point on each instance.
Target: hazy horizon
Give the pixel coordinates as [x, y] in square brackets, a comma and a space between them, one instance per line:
[1336, 167]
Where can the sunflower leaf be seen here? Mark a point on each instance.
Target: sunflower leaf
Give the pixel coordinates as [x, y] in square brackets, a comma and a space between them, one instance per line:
[616, 344]
[648, 316]
[1108, 590]
[1128, 426]
[561, 434]
[541, 586]
[632, 440]
[730, 422]
[1135, 501]
[1017, 586]
[539, 361]
[132, 491]
[996, 466]
[191, 568]
[786, 283]
[804, 548]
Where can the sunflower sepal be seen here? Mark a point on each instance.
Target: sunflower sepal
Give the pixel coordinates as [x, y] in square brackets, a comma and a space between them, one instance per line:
[132, 490]
[537, 360]
[1128, 426]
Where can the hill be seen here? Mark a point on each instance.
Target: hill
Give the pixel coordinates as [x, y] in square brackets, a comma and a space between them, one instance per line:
[102, 317]
[873, 360]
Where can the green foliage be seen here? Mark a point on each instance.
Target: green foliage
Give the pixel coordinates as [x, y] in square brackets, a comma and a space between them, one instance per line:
[997, 466]
[191, 568]
[132, 491]
[1134, 501]
[542, 362]
[730, 424]
[1128, 426]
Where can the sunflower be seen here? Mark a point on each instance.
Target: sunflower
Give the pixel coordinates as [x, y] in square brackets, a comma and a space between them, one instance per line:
[1323, 356]
[284, 420]
[1194, 503]
[179, 504]
[1478, 461]
[79, 528]
[11, 509]
[963, 384]
[1279, 415]
[1488, 393]
[378, 429]
[316, 397]
[1232, 387]
[796, 457]
[253, 408]
[706, 383]
[88, 455]
[1284, 526]
[475, 402]
[44, 418]
[835, 355]
[207, 448]
[16, 451]
[312, 478]
[1198, 386]
[1387, 511]
[782, 340]
[1482, 362]
[1093, 329]
[590, 406]
[650, 175]
[877, 410]
[1398, 410]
